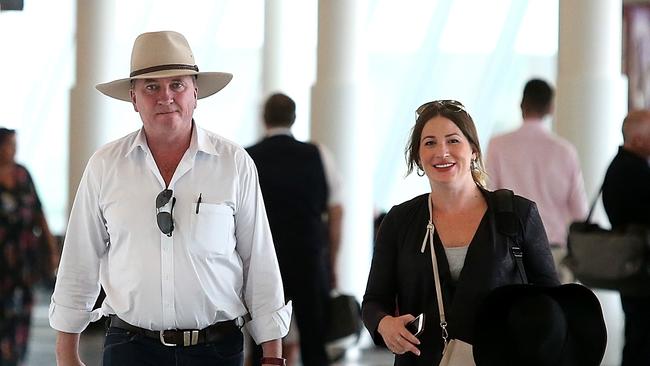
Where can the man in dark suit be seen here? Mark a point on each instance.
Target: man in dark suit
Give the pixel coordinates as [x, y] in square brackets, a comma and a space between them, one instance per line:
[304, 211]
[626, 198]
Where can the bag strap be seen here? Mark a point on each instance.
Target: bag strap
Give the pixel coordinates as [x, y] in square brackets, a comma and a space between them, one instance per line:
[436, 275]
[593, 204]
[508, 224]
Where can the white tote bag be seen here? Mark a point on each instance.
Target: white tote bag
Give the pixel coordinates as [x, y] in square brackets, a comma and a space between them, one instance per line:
[457, 353]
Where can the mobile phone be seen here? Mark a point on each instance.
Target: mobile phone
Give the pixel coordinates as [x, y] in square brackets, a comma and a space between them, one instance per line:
[416, 326]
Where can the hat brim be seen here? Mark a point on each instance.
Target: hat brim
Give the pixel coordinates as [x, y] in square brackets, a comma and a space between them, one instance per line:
[208, 83]
[586, 337]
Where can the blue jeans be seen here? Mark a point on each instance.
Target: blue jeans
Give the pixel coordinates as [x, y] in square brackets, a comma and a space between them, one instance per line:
[125, 348]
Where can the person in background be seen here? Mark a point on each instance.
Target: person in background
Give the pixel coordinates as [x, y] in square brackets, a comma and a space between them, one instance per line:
[23, 230]
[541, 166]
[170, 221]
[626, 199]
[473, 257]
[302, 196]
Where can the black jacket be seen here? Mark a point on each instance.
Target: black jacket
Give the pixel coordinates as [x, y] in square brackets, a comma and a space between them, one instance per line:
[294, 186]
[626, 190]
[401, 278]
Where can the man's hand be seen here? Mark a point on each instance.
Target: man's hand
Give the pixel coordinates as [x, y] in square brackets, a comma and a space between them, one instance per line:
[272, 349]
[67, 349]
[334, 223]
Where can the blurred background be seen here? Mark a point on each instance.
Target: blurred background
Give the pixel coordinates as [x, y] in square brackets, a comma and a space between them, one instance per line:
[397, 55]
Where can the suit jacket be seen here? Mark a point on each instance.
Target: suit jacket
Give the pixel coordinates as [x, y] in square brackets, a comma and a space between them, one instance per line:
[293, 183]
[401, 277]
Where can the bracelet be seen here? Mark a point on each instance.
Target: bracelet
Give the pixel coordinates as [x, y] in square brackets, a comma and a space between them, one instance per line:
[274, 361]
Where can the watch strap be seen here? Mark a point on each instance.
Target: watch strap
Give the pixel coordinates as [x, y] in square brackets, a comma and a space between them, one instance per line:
[274, 361]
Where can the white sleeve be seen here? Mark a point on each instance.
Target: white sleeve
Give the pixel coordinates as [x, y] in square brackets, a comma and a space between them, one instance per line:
[86, 241]
[263, 291]
[332, 176]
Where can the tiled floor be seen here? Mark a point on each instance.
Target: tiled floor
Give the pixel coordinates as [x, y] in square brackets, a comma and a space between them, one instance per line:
[41, 352]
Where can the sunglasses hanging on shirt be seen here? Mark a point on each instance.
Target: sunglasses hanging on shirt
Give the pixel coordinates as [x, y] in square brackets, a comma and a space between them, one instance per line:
[164, 218]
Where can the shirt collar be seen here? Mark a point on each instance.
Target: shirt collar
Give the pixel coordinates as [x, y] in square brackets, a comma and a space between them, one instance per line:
[200, 141]
[533, 121]
[535, 124]
[275, 131]
[139, 141]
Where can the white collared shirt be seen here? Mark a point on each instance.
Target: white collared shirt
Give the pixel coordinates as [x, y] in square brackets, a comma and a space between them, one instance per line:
[218, 264]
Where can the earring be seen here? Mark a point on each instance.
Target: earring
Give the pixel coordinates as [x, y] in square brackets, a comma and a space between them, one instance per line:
[420, 172]
[473, 165]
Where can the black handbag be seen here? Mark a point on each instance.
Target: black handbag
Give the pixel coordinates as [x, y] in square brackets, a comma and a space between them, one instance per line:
[345, 317]
[344, 326]
[610, 259]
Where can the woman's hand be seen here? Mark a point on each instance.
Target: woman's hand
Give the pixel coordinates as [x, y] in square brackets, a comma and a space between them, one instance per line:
[397, 338]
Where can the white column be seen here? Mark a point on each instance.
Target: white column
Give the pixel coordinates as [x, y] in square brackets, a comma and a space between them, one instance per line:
[591, 91]
[288, 58]
[274, 51]
[87, 114]
[591, 103]
[336, 122]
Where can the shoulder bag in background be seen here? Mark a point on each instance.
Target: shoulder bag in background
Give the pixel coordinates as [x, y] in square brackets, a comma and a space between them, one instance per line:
[345, 315]
[345, 325]
[610, 259]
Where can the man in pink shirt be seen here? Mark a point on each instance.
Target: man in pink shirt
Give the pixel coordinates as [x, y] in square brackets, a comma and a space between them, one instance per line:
[541, 166]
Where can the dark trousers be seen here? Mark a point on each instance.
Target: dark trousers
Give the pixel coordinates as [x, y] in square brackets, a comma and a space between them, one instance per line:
[124, 348]
[636, 351]
[307, 285]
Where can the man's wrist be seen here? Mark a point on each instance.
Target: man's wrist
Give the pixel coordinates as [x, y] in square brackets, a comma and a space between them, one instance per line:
[274, 361]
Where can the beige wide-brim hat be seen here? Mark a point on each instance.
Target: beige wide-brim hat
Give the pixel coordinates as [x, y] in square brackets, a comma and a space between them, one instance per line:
[162, 55]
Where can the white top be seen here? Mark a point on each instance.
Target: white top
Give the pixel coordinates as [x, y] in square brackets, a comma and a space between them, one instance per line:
[456, 259]
[543, 167]
[218, 264]
[332, 175]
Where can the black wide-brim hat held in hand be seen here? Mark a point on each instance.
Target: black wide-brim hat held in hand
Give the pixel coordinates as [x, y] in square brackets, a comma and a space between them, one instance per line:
[529, 325]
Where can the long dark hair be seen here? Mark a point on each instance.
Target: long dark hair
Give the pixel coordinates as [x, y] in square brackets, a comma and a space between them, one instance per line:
[455, 112]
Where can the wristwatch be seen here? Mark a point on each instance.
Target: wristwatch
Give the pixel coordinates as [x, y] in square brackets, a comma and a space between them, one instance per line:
[274, 361]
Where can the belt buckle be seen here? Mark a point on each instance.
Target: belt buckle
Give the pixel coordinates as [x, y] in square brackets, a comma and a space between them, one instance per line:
[162, 340]
[190, 338]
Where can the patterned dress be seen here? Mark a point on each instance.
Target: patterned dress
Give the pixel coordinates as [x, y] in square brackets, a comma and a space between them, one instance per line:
[19, 254]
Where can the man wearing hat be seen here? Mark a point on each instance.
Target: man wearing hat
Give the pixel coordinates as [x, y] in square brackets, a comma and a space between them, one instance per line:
[170, 221]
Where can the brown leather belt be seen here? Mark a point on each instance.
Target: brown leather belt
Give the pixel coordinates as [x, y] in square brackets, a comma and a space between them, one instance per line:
[184, 338]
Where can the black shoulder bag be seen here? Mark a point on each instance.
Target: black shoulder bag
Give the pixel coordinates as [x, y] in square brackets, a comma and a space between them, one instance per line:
[508, 225]
[609, 259]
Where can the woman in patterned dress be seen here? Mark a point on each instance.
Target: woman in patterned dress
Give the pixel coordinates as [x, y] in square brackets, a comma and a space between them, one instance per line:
[22, 223]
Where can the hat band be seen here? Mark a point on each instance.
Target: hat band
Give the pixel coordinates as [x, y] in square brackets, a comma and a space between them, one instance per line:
[164, 67]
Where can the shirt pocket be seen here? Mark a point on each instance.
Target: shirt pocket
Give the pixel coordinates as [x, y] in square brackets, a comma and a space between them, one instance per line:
[213, 230]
